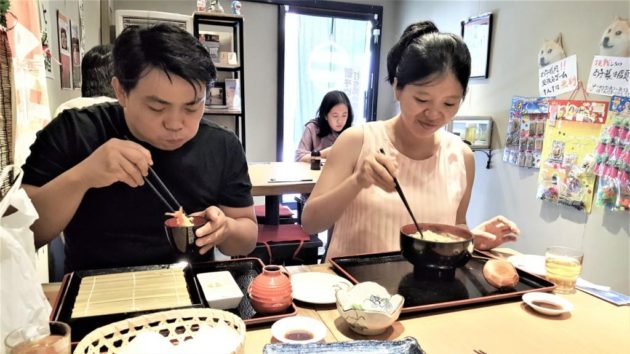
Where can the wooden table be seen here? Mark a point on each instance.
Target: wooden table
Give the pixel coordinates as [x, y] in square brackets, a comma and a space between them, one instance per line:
[594, 326]
[273, 179]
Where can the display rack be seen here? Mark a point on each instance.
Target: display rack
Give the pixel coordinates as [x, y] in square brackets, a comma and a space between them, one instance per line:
[230, 41]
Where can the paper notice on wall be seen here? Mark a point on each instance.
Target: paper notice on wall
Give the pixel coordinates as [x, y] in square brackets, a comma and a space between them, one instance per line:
[610, 76]
[558, 77]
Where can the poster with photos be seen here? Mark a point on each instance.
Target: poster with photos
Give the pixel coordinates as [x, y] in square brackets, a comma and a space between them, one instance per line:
[44, 20]
[63, 38]
[76, 54]
[567, 161]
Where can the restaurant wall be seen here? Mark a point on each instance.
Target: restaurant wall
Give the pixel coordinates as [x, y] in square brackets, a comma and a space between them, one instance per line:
[70, 9]
[261, 66]
[519, 30]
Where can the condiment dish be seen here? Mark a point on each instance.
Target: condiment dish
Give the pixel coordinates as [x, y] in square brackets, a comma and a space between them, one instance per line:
[298, 330]
[547, 304]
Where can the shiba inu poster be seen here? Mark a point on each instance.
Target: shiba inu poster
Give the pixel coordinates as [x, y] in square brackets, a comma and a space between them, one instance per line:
[551, 51]
[615, 41]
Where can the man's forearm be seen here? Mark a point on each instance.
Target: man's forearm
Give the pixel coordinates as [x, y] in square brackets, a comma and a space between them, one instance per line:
[56, 203]
[241, 238]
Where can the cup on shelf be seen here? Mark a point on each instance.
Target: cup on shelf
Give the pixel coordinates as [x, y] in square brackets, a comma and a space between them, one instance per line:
[563, 266]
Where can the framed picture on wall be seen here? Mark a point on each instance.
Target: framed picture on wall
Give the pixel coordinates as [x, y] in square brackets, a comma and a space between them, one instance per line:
[477, 33]
[474, 130]
[216, 95]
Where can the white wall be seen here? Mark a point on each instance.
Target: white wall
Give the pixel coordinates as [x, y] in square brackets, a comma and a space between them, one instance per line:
[261, 66]
[70, 9]
[519, 29]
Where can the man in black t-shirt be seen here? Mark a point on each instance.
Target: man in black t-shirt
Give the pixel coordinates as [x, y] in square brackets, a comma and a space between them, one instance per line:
[85, 172]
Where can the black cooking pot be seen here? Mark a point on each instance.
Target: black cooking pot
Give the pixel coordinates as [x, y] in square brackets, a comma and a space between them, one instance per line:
[434, 259]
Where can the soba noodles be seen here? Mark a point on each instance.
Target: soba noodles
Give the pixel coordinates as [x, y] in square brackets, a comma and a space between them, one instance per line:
[433, 236]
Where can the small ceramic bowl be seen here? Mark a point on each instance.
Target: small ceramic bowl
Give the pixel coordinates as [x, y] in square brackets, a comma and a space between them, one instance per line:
[182, 238]
[299, 330]
[368, 308]
[547, 304]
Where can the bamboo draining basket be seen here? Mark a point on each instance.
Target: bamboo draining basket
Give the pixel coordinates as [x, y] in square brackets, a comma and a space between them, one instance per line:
[175, 325]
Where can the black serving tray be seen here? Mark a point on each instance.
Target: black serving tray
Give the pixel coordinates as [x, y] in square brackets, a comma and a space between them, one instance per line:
[244, 270]
[62, 310]
[395, 273]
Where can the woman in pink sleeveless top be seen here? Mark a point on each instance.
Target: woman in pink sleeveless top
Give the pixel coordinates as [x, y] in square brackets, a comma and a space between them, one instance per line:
[429, 72]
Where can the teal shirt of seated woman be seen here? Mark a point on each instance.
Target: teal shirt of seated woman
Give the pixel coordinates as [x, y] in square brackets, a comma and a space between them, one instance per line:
[429, 73]
[333, 117]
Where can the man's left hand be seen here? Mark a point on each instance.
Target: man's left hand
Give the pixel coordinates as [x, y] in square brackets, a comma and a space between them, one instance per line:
[213, 233]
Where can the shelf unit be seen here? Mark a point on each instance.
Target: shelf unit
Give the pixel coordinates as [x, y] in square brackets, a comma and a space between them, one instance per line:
[230, 31]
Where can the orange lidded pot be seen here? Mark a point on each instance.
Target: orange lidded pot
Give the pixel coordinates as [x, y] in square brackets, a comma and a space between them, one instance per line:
[270, 292]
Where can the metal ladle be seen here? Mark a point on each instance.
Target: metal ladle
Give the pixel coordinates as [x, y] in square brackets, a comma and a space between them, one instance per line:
[402, 196]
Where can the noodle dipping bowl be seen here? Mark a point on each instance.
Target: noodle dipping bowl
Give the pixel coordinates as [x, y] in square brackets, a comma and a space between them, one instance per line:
[368, 308]
[434, 256]
[182, 238]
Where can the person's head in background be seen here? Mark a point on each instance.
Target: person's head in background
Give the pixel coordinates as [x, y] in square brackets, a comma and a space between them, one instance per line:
[161, 75]
[97, 70]
[429, 72]
[334, 113]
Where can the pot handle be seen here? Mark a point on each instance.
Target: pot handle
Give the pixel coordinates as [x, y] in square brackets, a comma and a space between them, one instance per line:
[340, 286]
[465, 259]
[284, 271]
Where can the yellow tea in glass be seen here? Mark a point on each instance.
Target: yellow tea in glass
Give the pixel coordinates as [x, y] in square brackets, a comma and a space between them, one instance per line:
[32, 339]
[563, 266]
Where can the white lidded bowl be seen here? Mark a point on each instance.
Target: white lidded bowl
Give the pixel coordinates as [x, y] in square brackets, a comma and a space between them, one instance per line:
[368, 308]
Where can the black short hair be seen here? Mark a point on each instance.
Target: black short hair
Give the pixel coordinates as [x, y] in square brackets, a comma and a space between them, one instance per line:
[330, 100]
[163, 46]
[97, 69]
[423, 53]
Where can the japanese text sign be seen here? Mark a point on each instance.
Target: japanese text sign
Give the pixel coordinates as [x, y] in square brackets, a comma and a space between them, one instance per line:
[610, 76]
[558, 77]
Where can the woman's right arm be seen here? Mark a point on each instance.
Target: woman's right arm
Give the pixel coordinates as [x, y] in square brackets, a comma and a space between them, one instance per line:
[339, 182]
[303, 152]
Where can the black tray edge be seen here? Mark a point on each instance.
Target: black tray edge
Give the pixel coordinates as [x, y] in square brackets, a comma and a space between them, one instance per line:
[449, 304]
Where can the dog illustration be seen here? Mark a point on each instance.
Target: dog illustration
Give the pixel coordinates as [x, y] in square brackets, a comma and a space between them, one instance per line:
[551, 51]
[616, 39]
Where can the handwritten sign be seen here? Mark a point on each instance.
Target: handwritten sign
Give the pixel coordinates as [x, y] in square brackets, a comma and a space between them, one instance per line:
[609, 76]
[558, 77]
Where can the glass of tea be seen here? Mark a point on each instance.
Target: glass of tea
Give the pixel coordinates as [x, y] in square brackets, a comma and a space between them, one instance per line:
[33, 339]
[563, 266]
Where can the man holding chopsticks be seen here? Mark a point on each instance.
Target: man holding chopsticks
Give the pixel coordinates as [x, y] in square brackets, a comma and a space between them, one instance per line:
[87, 169]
